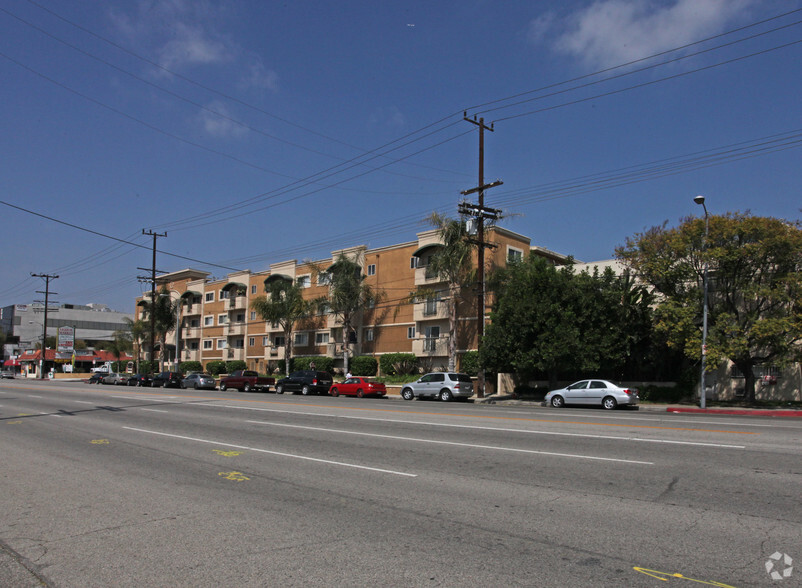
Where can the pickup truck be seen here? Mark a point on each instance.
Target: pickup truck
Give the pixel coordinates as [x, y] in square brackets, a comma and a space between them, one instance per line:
[246, 381]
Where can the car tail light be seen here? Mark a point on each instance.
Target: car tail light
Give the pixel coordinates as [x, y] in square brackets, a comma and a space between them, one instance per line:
[314, 381]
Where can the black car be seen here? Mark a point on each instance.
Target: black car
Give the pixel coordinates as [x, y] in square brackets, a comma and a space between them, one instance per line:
[97, 377]
[139, 380]
[305, 382]
[167, 380]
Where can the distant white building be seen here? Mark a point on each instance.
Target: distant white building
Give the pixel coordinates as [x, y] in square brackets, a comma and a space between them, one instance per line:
[23, 323]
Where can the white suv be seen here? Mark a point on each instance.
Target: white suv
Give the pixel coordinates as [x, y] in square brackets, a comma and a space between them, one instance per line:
[443, 385]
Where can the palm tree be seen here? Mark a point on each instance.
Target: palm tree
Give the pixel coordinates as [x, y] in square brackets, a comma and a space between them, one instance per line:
[140, 331]
[119, 345]
[348, 297]
[162, 312]
[452, 263]
[283, 305]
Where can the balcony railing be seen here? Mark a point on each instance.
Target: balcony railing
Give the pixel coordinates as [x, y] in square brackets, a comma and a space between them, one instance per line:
[235, 329]
[237, 303]
[430, 346]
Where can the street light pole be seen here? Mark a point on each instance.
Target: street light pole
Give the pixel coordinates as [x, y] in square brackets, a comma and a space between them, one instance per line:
[702, 396]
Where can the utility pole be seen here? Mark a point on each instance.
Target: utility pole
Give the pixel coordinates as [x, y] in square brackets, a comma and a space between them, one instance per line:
[47, 278]
[480, 212]
[152, 281]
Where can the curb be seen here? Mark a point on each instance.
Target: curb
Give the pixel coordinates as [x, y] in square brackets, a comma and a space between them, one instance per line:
[742, 411]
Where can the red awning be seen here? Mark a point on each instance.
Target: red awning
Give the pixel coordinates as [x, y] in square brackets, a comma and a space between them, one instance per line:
[10, 362]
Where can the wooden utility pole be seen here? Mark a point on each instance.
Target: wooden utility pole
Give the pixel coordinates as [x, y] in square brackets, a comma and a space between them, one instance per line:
[47, 278]
[152, 293]
[480, 212]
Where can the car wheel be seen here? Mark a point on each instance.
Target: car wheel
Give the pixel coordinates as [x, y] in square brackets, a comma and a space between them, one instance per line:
[557, 402]
[407, 394]
[183, 386]
[223, 387]
[446, 395]
[334, 392]
[246, 387]
[280, 389]
[305, 390]
[360, 393]
[609, 403]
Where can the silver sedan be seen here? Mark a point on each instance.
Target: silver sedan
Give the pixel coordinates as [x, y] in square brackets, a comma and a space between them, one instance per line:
[593, 393]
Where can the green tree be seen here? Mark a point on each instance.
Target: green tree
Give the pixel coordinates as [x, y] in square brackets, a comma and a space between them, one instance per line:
[349, 296]
[754, 286]
[163, 314]
[284, 305]
[120, 344]
[452, 263]
[554, 320]
[140, 334]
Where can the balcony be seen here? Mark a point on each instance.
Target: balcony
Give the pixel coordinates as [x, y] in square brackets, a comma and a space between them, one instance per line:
[191, 309]
[430, 310]
[237, 303]
[191, 333]
[424, 277]
[430, 346]
[235, 353]
[235, 329]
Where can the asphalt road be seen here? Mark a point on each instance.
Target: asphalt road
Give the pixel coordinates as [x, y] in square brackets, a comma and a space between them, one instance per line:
[116, 486]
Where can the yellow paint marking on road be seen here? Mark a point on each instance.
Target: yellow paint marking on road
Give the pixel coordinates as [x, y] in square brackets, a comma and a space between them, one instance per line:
[654, 574]
[13, 422]
[236, 476]
[100, 442]
[228, 453]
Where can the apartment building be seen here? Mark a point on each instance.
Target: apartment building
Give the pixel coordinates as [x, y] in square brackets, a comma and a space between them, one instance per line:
[216, 321]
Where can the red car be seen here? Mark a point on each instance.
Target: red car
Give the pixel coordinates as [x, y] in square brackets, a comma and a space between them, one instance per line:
[356, 386]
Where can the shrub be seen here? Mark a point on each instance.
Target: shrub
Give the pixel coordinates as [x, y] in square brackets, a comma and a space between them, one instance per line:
[190, 366]
[322, 364]
[364, 365]
[398, 364]
[237, 364]
[148, 367]
[469, 363]
[670, 395]
[216, 367]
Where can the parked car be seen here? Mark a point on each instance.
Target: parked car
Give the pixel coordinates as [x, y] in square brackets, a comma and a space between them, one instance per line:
[593, 393]
[96, 378]
[357, 386]
[443, 385]
[115, 378]
[139, 380]
[246, 380]
[167, 380]
[199, 381]
[305, 382]
[9, 374]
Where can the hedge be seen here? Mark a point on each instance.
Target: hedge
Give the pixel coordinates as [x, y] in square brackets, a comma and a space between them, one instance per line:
[398, 364]
[190, 366]
[216, 367]
[363, 365]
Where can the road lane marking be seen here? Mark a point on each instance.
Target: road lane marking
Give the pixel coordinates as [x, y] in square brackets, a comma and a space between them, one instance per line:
[478, 428]
[155, 410]
[454, 443]
[279, 453]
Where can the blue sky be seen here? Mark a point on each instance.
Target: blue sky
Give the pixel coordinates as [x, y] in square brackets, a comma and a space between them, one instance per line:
[255, 132]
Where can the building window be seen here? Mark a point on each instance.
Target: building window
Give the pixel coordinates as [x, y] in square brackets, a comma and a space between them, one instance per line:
[239, 317]
[368, 334]
[413, 262]
[274, 325]
[209, 296]
[208, 321]
[193, 345]
[323, 279]
[304, 281]
[372, 269]
[252, 341]
[279, 341]
[221, 344]
[301, 339]
[410, 332]
[207, 343]
[321, 338]
[253, 288]
[222, 319]
[514, 255]
[239, 343]
[194, 323]
[253, 315]
[225, 294]
[265, 341]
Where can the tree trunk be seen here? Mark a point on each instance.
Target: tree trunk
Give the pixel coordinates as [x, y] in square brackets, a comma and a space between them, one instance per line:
[452, 330]
[745, 366]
